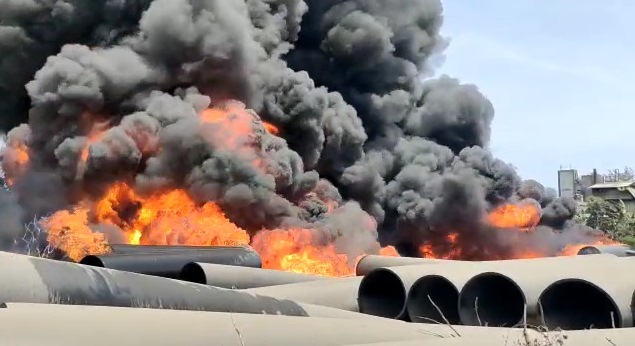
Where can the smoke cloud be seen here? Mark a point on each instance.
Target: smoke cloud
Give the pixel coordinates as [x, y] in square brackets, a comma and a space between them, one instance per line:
[369, 145]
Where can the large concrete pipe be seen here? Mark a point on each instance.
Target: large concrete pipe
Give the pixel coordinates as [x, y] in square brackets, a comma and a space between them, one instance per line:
[369, 263]
[240, 277]
[340, 293]
[37, 280]
[599, 296]
[383, 292]
[617, 250]
[129, 249]
[51, 324]
[170, 264]
[434, 296]
[497, 296]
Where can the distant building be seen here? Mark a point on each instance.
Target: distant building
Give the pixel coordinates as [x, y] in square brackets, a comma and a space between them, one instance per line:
[570, 184]
[616, 191]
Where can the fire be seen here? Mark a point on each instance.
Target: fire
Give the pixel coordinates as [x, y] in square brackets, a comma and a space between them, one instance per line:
[172, 217]
[15, 156]
[292, 250]
[69, 231]
[521, 219]
[451, 250]
[514, 216]
[572, 249]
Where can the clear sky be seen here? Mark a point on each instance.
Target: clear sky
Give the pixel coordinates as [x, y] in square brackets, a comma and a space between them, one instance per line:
[560, 74]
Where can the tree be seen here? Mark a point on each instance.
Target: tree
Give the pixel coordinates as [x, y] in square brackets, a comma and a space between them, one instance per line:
[610, 217]
[615, 175]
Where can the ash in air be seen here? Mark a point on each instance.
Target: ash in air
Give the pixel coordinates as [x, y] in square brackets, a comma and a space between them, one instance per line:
[351, 138]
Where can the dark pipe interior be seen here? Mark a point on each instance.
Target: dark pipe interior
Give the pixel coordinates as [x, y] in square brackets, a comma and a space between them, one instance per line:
[578, 304]
[381, 293]
[498, 300]
[193, 272]
[444, 295]
[92, 260]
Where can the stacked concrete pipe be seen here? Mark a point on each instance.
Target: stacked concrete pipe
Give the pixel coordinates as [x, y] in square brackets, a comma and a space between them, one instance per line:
[52, 324]
[226, 276]
[339, 293]
[595, 296]
[434, 296]
[383, 291]
[169, 264]
[497, 296]
[28, 279]
[368, 263]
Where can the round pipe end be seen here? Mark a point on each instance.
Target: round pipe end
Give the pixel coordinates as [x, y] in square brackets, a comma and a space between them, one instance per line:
[382, 293]
[430, 297]
[193, 272]
[93, 261]
[491, 299]
[573, 304]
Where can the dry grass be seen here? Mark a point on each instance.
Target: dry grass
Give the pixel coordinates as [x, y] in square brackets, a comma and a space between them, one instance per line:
[546, 337]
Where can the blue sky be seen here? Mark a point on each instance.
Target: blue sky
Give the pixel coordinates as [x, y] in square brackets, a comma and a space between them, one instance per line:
[560, 74]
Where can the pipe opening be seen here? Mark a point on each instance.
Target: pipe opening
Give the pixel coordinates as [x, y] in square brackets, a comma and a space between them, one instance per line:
[491, 299]
[578, 304]
[381, 293]
[444, 295]
[193, 272]
[92, 260]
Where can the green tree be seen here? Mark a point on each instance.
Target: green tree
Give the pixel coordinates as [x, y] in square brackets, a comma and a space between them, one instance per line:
[610, 217]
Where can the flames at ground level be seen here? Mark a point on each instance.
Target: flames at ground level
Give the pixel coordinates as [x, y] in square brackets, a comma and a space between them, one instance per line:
[172, 217]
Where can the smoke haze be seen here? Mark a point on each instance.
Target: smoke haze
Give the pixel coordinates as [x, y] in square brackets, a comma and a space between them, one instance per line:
[368, 144]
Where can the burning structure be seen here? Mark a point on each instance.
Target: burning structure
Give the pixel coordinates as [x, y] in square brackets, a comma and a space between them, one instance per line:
[300, 127]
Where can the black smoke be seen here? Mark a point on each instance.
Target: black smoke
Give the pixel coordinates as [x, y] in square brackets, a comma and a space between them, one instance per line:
[364, 124]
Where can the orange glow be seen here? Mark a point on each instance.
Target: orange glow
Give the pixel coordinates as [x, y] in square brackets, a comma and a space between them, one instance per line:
[450, 250]
[389, 251]
[572, 250]
[514, 216]
[271, 128]
[172, 217]
[69, 231]
[15, 160]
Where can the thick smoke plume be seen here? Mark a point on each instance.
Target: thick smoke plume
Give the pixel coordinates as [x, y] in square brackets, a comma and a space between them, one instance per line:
[367, 143]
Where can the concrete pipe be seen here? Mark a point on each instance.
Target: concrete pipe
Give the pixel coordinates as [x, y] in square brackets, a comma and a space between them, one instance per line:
[617, 250]
[383, 291]
[598, 297]
[226, 276]
[498, 295]
[36, 280]
[339, 293]
[129, 249]
[170, 264]
[46, 324]
[434, 297]
[369, 263]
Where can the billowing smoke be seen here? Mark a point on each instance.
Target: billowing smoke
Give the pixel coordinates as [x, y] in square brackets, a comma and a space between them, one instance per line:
[367, 144]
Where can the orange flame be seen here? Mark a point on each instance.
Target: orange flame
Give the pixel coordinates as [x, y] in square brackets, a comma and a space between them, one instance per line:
[514, 216]
[572, 249]
[15, 160]
[172, 217]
